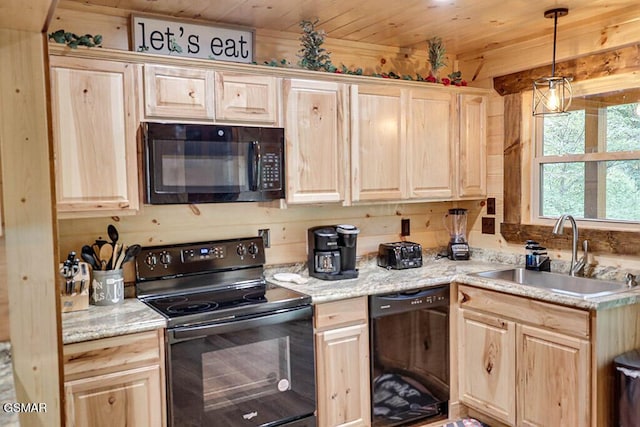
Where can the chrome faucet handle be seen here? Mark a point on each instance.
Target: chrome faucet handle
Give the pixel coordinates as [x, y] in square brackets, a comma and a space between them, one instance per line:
[631, 280]
[580, 264]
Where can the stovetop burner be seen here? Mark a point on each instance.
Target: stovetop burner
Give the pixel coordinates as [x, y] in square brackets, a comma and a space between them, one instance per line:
[191, 307]
[196, 283]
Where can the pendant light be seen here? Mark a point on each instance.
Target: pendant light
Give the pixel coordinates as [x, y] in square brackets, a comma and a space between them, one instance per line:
[552, 95]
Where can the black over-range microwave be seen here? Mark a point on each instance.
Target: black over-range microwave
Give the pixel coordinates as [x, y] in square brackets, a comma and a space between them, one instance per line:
[191, 163]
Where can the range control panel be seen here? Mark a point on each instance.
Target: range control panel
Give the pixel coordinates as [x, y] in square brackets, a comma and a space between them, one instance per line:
[159, 261]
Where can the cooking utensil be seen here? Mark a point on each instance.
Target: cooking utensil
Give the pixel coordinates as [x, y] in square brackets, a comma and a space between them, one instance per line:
[83, 267]
[86, 253]
[114, 257]
[89, 259]
[131, 252]
[68, 270]
[106, 251]
[120, 259]
[112, 231]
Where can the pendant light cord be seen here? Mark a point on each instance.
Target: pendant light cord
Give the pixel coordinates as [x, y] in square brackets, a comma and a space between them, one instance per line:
[555, 31]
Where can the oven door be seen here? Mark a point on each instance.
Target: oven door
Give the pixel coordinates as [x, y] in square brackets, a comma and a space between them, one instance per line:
[257, 371]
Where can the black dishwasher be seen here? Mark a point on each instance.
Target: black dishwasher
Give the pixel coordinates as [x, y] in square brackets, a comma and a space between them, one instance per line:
[409, 336]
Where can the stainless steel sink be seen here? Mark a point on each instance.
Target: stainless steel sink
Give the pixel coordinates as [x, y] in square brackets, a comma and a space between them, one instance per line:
[564, 284]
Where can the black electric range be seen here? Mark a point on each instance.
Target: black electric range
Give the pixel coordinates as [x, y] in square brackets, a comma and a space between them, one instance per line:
[215, 281]
[238, 351]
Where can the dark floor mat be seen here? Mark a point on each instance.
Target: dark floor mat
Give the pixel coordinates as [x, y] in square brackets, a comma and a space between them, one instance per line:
[466, 422]
[398, 398]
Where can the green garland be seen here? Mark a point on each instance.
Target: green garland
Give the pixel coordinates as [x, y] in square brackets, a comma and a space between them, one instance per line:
[73, 40]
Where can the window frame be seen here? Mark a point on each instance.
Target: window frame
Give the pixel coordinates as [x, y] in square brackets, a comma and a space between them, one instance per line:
[531, 177]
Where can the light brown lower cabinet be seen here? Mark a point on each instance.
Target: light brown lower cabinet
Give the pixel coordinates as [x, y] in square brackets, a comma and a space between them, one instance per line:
[116, 381]
[342, 363]
[526, 362]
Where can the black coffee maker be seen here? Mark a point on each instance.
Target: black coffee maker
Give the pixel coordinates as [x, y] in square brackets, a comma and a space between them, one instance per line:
[331, 251]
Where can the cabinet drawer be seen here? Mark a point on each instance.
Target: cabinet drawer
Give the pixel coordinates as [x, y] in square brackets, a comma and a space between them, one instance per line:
[551, 316]
[343, 312]
[106, 355]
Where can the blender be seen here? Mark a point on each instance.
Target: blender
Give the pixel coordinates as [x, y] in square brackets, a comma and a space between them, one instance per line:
[456, 224]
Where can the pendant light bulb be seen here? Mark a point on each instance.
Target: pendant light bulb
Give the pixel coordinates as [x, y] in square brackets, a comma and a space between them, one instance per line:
[552, 100]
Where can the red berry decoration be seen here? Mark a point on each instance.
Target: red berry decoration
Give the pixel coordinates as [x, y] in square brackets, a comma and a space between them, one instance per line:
[446, 81]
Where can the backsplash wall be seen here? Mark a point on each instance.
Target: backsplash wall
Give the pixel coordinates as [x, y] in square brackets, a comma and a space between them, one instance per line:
[170, 224]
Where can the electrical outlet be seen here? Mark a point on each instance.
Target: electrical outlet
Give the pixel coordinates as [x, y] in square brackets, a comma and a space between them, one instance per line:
[405, 227]
[265, 233]
[491, 206]
[488, 225]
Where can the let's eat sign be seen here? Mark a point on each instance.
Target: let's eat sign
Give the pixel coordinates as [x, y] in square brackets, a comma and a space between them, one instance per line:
[169, 37]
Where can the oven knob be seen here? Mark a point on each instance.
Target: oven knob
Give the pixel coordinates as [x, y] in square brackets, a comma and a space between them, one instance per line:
[165, 258]
[241, 250]
[253, 249]
[151, 260]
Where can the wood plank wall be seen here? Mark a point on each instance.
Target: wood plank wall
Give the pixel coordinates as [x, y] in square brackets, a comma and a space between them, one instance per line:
[30, 226]
[113, 25]
[288, 226]
[174, 224]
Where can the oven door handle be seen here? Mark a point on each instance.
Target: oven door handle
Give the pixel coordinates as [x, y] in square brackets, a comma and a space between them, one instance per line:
[186, 333]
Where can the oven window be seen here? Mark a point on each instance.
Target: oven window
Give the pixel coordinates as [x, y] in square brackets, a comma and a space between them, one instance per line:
[266, 369]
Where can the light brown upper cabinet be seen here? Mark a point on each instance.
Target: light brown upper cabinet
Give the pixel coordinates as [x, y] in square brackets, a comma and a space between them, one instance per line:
[378, 143]
[178, 93]
[403, 143]
[316, 134]
[431, 133]
[93, 105]
[472, 161]
[246, 98]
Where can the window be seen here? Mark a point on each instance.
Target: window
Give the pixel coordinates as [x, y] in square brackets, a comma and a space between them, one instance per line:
[587, 162]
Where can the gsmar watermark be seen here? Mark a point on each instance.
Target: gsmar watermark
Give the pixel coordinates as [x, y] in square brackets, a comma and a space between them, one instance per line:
[24, 407]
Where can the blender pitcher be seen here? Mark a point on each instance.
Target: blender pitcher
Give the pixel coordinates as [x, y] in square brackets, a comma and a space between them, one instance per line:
[455, 221]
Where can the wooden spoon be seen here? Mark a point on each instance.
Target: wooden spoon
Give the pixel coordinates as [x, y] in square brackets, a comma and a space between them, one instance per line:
[106, 251]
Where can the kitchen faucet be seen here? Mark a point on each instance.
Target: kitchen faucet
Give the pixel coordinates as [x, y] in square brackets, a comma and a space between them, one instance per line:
[577, 266]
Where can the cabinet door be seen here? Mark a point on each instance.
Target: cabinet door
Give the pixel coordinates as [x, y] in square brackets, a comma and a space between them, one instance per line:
[316, 141]
[430, 144]
[343, 377]
[246, 98]
[178, 93]
[472, 170]
[94, 131]
[378, 143]
[553, 379]
[486, 366]
[127, 398]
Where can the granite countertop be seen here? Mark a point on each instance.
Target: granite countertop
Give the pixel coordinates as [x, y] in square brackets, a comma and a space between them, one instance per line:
[7, 390]
[437, 271]
[129, 317]
[134, 316]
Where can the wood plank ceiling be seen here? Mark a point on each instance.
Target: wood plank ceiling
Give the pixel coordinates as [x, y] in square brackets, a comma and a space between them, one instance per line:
[466, 26]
